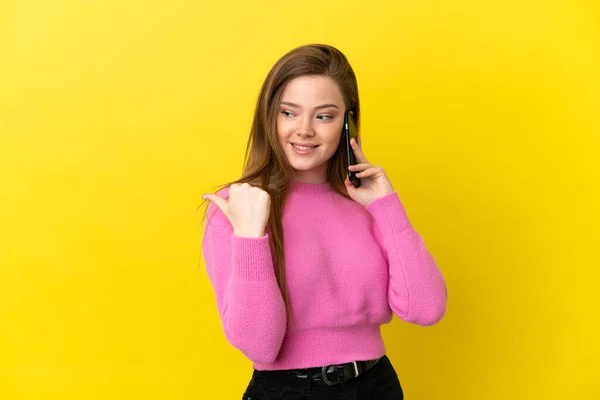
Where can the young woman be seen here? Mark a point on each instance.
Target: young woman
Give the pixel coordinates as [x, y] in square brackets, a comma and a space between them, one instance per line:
[306, 267]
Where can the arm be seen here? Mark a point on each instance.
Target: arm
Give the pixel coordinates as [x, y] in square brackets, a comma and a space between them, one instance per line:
[248, 298]
[417, 291]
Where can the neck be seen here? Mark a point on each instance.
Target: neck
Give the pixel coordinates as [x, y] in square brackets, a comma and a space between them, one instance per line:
[314, 176]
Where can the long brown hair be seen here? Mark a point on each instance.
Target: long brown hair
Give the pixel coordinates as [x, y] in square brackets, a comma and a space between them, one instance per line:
[265, 164]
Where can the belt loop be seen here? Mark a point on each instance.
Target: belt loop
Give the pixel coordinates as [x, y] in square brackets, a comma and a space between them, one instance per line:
[310, 380]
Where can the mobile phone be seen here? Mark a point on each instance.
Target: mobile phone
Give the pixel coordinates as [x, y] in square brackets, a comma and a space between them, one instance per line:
[350, 132]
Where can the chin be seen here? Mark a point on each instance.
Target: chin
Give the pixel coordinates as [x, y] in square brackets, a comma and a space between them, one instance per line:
[303, 167]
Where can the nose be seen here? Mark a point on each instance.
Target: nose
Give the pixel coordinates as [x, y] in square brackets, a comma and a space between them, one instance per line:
[305, 128]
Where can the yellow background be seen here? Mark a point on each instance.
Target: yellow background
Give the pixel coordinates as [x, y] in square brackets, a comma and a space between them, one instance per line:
[117, 115]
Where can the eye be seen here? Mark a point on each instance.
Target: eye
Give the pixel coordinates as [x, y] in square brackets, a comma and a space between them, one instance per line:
[324, 117]
[287, 114]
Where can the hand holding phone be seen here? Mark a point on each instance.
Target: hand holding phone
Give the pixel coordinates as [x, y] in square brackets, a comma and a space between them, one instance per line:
[350, 132]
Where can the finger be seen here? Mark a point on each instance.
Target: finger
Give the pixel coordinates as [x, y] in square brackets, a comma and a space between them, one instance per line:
[360, 167]
[360, 157]
[217, 200]
[369, 172]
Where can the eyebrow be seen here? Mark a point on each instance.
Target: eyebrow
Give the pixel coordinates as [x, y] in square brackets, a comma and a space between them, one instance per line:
[287, 103]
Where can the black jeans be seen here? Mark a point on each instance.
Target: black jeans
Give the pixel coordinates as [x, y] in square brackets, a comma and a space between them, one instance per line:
[379, 383]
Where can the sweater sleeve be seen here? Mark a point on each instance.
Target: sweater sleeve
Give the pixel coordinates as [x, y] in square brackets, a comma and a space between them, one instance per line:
[249, 301]
[417, 291]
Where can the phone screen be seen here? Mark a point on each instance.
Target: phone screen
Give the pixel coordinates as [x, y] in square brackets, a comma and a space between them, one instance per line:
[350, 132]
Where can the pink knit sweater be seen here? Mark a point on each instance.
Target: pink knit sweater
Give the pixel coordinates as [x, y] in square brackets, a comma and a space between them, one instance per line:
[348, 267]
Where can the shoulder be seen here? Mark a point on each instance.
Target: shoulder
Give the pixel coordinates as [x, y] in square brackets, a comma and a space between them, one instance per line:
[214, 216]
[224, 193]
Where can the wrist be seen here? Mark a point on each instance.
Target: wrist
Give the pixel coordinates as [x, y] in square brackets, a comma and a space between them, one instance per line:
[380, 196]
[249, 233]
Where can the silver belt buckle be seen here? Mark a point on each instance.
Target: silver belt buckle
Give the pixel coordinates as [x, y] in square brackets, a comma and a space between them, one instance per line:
[330, 383]
[324, 376]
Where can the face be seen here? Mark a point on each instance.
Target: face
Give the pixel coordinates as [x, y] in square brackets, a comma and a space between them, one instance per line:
[309, 125]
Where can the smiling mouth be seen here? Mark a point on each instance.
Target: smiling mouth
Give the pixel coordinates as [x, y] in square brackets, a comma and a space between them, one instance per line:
[304, 147]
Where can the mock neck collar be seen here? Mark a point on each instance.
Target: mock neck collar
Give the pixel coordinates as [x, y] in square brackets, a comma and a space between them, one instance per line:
[310, 188]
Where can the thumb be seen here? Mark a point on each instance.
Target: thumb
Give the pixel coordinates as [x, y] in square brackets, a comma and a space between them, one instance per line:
[348, 183]
[217, 200]
[349, 186]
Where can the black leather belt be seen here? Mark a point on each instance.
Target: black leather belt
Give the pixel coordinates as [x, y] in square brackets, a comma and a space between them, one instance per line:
[333, 374]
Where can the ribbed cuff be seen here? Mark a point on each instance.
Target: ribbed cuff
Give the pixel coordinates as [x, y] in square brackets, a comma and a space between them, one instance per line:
[389, 211]
[251, 258]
